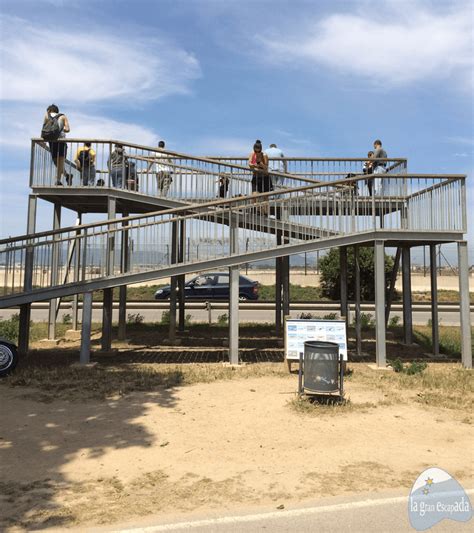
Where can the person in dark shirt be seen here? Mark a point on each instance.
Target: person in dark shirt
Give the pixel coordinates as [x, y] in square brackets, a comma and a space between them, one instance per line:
[379, 167]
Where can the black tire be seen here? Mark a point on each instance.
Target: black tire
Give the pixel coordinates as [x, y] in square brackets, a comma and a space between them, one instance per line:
[8, 358]
[243, 298]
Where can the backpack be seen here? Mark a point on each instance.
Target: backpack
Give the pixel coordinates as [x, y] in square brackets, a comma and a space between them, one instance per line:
[51, 128]
[85, 158]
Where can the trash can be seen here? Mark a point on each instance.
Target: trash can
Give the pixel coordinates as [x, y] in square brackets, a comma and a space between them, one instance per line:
[322, 367]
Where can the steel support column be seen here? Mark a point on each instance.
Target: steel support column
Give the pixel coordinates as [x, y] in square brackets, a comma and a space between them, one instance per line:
[25, 309]
[107, 308]
[77, 266]
[343, 284]
[234, 316]
[234, 280]
[54, 272]
[407, 303]
[85, 353]
[278, 308]
[380, 330]
[464, 304]
[285, 274]
[393, 281]
[174, 282]
[181, 278]
[434, 301]
[124, 265]
[358, 325]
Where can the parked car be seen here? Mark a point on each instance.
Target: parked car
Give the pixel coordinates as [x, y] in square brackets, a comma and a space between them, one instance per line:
[213, 286]
[8, 357]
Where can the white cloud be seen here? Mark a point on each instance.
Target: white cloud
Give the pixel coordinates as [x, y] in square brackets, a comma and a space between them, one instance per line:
[25, 121]
[388, 44]
[45, 64]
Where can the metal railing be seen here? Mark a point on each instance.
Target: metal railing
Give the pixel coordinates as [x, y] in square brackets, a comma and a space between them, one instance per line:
[142, 169]
[247, 228]
[163, 173]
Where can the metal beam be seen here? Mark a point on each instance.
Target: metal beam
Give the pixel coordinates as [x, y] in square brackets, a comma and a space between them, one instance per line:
[107, 308]
[77, 266]
[407, 303]
[343, 281]
[124, 265]
[434, 301]
[466, 343]
[174, 282]
[393, 281]
[25, 309]
[54, 272]
[278, 321]
[380, 331]
[181, 277]
[234, 316]
[85, 353]
[358, 325]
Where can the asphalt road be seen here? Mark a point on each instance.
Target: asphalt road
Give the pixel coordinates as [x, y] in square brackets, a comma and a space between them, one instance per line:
[340, 514]
[447, 318]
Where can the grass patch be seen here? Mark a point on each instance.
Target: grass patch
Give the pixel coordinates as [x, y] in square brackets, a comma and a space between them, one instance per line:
[439, 385]
[104, 381]
[320, 405]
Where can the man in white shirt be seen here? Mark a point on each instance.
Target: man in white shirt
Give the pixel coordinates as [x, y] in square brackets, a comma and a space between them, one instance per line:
[163, 171]
[275, 164]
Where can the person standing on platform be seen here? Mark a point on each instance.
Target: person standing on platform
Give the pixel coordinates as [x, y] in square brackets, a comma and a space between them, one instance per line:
[85, 163]
[276, 163]
[118, 164]
[163, 172]
[379, 167]
[55, 127]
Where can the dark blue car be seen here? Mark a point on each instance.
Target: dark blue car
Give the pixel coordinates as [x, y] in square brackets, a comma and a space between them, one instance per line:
[213, 286]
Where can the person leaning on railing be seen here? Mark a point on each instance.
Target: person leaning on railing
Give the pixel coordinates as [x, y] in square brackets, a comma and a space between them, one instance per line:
[85, 163]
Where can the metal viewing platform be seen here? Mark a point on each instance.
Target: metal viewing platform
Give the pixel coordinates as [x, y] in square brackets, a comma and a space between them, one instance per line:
[151, 231]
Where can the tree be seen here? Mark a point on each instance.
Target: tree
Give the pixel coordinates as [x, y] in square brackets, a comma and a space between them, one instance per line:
[331, 273]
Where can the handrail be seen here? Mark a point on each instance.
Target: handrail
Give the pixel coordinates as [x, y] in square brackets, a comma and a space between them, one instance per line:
[345, 183]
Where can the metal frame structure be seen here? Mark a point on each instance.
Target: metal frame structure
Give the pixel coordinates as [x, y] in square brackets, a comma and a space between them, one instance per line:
[322, 203]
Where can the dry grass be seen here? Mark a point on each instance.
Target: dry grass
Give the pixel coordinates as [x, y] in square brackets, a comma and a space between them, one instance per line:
[104, 381]
[320, 406]
[440, 385]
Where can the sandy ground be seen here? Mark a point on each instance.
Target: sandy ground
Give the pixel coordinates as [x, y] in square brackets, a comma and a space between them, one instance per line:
[211, 446]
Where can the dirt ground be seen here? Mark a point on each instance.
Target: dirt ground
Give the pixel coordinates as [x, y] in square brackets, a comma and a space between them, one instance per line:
[67, 461]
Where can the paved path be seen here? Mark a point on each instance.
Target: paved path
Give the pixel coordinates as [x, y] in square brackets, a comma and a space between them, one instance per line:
[335, 515]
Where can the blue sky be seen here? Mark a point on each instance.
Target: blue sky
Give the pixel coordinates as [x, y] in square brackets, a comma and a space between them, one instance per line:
[210, 76]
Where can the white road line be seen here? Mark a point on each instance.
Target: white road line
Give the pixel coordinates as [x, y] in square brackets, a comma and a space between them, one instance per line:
[271, 515]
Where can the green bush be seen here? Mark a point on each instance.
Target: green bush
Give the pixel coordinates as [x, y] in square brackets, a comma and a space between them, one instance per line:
[165, 318]
[331, 316]
[331, 273]
[223, 320]
[415, 367]
[67, 319]
[366, 321]
[394, 321]
[9, 328]
[135, 318]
